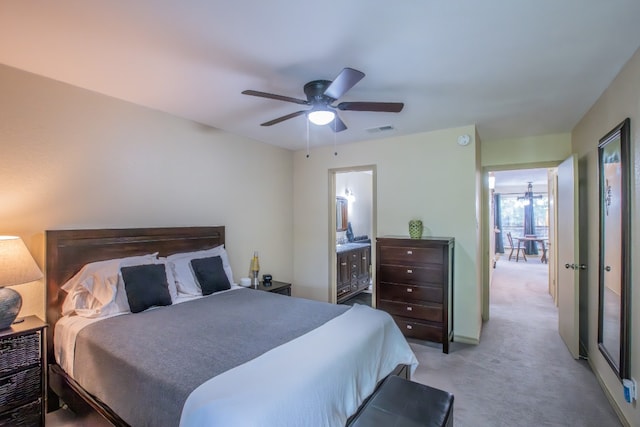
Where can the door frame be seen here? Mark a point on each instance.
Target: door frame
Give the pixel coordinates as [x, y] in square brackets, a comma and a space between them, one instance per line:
[333, 271]
[488, 228]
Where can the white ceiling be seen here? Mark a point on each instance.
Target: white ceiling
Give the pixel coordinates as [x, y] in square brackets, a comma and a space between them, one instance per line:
[514, 68]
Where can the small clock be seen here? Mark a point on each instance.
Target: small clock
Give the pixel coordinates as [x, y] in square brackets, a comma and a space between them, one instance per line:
[266, 279]
[464, 140]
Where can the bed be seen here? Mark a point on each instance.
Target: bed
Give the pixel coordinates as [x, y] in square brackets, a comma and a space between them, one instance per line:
[254, 358]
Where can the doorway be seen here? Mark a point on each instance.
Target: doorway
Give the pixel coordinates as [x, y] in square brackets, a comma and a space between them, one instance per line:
[521, 223]
[567, 214]
[352, 232]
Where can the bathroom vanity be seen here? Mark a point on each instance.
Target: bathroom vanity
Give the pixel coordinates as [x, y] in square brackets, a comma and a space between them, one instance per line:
[353, 268]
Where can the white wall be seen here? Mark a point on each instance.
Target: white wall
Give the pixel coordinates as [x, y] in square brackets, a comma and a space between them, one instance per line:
[619, 101]
[71, 158]
[426, 176]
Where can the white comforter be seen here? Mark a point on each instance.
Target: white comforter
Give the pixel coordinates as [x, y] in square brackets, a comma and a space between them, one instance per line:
[318, 379]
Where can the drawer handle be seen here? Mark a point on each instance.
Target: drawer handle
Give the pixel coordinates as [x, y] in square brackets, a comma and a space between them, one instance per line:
[7, 347]
[409, 290]
[364, 258]
[409, 252]
[343, 263]
[409, 327]
[409, 271]
[9, 381]
[409, 308]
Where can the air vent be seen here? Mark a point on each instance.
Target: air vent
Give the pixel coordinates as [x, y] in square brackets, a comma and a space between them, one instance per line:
[386, 128]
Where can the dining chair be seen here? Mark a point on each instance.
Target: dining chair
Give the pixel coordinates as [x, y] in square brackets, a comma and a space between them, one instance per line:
[515, 248]
[544, 258]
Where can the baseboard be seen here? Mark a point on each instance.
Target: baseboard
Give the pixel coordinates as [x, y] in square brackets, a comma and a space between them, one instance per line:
[466, 340]
[610, 398]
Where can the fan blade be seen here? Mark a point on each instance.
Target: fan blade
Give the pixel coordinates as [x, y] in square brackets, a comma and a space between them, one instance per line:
[283, 118]
[338, 125]
[343, 82]
[382, 107]
[274, 96]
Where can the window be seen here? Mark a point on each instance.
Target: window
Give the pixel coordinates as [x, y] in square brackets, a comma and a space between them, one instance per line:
[512, 215]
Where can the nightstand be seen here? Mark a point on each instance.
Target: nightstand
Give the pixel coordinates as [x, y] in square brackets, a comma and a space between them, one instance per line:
[276, 287]
[23, 373]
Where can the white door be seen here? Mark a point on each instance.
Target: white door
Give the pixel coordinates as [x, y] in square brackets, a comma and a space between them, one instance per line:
[567, 259]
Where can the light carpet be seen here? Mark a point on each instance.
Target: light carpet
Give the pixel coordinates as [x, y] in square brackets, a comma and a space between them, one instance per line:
[521, 373]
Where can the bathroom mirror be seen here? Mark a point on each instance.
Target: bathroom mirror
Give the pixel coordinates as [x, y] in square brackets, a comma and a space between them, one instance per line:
[341, 214]
[615, 235]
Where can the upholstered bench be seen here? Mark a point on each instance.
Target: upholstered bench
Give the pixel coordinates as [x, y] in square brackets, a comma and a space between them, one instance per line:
[403, 403]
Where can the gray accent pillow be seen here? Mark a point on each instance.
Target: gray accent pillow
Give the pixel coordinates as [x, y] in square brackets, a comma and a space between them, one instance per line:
[210, 274]
[146, 286]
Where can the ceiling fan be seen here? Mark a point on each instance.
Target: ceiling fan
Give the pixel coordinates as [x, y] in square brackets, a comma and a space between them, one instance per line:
[321, 94]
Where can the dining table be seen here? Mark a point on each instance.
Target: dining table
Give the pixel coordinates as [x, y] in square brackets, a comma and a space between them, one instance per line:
[541, 240]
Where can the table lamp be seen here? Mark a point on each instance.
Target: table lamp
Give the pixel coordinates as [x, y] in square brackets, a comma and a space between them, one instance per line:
[17, 266]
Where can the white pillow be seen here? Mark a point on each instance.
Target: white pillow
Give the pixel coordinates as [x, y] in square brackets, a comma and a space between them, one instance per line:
[93, 291]
[95, 295]
[92, 296]
[181, 267]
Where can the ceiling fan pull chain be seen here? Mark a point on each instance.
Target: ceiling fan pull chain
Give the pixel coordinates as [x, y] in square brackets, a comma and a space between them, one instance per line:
[307, 138]
[335, 152]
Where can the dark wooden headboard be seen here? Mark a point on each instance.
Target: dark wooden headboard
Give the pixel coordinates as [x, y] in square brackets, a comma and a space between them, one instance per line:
[68, 250]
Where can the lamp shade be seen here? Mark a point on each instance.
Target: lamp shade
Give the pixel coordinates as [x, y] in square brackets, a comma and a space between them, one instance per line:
[16, 267]
[16, 263]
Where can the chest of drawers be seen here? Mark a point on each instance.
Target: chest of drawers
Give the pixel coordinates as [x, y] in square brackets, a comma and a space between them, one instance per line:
[414, 279]
[22, 374]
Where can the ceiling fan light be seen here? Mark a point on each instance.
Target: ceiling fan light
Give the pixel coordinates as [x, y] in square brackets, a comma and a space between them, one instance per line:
[321, 117]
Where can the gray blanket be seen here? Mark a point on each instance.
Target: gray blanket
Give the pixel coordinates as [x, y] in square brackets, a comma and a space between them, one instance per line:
[145, 365]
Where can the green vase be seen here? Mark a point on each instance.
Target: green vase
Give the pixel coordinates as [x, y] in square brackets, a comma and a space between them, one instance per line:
[415, 229]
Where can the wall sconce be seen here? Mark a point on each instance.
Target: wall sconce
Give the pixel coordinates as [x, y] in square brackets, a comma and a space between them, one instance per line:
[348, 194]
[17, 266]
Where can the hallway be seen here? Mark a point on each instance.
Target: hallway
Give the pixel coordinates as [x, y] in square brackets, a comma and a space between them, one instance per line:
[521, 373]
